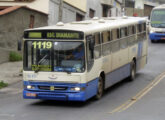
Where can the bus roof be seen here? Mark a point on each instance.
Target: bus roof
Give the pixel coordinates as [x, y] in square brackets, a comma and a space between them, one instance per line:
[160, 7]
[94, 24]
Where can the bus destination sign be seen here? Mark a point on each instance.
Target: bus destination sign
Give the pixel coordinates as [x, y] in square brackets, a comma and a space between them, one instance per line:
[53, 35]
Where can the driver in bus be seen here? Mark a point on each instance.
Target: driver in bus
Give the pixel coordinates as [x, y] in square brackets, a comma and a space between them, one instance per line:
[77, 54]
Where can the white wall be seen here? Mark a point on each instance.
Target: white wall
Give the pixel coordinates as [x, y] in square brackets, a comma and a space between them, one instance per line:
[139, 4]
[41, 5]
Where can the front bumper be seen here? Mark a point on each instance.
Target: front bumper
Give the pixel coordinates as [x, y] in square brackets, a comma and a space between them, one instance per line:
[157, 36]
[80, 96]
[87, 91]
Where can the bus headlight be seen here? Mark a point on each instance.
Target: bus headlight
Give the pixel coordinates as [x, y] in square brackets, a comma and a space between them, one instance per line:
[151, 31]
[77, 89]
[30, 87]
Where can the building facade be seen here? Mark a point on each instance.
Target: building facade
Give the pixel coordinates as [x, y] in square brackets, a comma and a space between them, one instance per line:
[40, 5]
[13, 21]
[139, 7]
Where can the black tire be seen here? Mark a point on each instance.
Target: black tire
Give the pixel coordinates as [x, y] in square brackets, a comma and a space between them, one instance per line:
[100, 89]
[153, 41]
[132, 71]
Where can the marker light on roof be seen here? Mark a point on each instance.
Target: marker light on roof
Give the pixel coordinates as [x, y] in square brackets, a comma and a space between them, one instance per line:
[60, 24]
[95, 18]
[101, 21]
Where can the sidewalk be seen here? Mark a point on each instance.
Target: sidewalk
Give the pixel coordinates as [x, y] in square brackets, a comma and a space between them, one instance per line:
[10, 72]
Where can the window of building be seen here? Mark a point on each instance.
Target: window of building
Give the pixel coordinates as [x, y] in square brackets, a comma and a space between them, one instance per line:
[31, 25]
[91, 13]
[79, 17]
[105, 11]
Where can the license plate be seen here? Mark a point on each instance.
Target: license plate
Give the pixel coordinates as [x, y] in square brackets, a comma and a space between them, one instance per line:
[31, 94]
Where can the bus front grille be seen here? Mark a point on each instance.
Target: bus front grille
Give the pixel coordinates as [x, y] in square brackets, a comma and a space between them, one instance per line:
[50, 88]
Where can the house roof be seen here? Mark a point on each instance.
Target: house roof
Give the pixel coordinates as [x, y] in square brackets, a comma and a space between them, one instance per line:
[13, 8]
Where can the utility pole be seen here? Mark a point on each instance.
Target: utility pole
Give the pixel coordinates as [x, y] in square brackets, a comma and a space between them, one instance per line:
[60, 11]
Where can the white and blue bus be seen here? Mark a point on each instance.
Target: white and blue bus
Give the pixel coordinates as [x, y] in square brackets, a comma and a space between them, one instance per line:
[157, 24]
[79, 60]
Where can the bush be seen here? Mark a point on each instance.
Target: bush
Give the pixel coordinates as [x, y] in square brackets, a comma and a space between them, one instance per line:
[14, 56]
[2, 84]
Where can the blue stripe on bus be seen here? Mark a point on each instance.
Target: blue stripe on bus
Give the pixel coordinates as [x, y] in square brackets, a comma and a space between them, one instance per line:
[117, 75]
[63, 95]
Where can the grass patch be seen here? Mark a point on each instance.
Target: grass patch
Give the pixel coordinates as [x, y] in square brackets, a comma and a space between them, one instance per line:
[14, 56]
[2, 84]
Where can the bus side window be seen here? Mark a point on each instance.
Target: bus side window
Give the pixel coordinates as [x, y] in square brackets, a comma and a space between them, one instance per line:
[144, 26]
[115, 46]
[106, 45]
[106, 36]
[97, 48]
[90, 59]
[139, 26]
[134, 29]
[131, 30]
[115, 34]
[123, 34]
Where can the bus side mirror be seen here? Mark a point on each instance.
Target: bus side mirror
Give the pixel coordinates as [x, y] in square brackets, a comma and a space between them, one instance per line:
[19, 45]
[92, 44]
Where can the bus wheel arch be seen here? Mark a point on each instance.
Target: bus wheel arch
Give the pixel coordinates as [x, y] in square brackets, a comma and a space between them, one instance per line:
[100, 87]
[132, 69]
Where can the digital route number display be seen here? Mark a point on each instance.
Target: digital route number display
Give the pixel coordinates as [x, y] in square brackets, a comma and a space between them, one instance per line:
[54, 35]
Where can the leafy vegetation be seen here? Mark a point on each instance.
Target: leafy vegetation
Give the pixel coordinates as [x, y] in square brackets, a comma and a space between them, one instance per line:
[14, 56]
[2, 84]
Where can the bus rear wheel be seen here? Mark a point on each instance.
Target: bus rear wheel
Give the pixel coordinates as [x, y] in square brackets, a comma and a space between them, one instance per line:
[132, 71]
[100, 89]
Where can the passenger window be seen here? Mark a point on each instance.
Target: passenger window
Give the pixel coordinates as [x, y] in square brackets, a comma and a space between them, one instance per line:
[139, 28]
[97, 48]
[106, 36]
[115, 46]
[144, 26]
[123, 44]
[115, 34]
[90, 59]
[97, 38]
[123, 32]
[131, 30]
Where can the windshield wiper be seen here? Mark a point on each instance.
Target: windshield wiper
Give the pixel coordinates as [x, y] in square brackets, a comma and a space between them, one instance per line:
[42, 60]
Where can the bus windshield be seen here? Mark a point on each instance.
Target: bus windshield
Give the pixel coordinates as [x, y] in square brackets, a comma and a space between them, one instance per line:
[54, 56]
[158, 18]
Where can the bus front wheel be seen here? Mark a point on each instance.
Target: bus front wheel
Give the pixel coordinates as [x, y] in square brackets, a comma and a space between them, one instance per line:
[153, 41]
[100, 89]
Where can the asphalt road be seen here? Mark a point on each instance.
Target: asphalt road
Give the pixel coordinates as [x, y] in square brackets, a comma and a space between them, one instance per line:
[142, 99]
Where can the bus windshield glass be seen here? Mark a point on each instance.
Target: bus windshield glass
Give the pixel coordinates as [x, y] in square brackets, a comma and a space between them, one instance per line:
[158, 18]
[54, 56]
